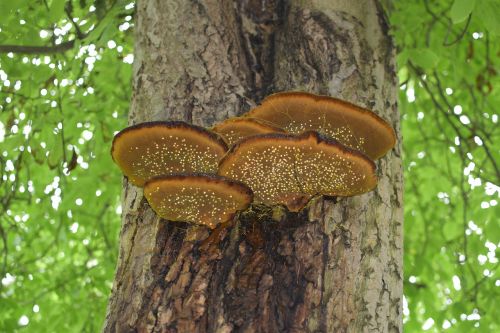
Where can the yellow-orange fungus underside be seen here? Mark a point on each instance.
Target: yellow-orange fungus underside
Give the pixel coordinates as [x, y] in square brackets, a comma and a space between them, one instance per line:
[235, 129]
[152, 149]
[197, 198]
[290, 169]
[351, 125]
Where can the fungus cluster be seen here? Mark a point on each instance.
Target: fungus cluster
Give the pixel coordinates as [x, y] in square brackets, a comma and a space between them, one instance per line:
[349, 124]
[290, 169]
[292, 147]
[198, 198]
[176, 163]
[234, 129]
[152, 149]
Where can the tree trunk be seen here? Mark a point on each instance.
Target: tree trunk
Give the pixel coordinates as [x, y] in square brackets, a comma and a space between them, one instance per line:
[334, 267]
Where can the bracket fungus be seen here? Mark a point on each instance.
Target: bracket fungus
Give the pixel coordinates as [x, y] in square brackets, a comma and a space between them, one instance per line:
[197, 198]
[152, 149]
[235, 129]
[353, 126]
[290, 169]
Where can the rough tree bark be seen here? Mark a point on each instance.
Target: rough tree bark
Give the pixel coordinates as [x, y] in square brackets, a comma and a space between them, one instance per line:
[334, 267]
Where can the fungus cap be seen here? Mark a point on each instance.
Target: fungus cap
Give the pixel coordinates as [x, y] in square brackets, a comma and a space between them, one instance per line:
[235, 129]
[197, 198]
[351, 125]
[152, 149]
[290, 169]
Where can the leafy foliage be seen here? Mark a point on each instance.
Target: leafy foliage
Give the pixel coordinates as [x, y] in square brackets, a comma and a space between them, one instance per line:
[64, 90]
[59, 215]
[448, 57]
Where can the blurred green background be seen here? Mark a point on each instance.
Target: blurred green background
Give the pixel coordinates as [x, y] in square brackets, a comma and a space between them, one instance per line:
[65, 94]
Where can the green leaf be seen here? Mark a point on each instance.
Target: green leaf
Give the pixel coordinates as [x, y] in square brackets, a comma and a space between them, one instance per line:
[7, 7]
[38, 154]
[402, 58]
[55, 151]
[461, 9]
[106, 35]
[488, 12]
[424, 58]
[56, 9]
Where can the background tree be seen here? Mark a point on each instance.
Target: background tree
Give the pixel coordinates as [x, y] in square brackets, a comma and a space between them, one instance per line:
[449, 58]
[58, 253]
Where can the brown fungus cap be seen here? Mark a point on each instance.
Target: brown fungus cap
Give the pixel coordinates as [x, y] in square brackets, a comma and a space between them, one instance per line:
[351, 125]
[152, 149]
[234, 129]
[197, 198]
[290, 169]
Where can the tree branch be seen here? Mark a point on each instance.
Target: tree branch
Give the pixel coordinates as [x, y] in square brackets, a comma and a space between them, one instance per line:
[37, 49]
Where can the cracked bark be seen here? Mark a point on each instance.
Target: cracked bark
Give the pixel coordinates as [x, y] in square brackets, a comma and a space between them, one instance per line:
[334, 267]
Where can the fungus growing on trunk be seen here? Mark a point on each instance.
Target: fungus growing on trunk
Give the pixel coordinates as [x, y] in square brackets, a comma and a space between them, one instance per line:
[152, 149]
[290, 169]
[197, 198]
[351, 125]
[234, 129]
